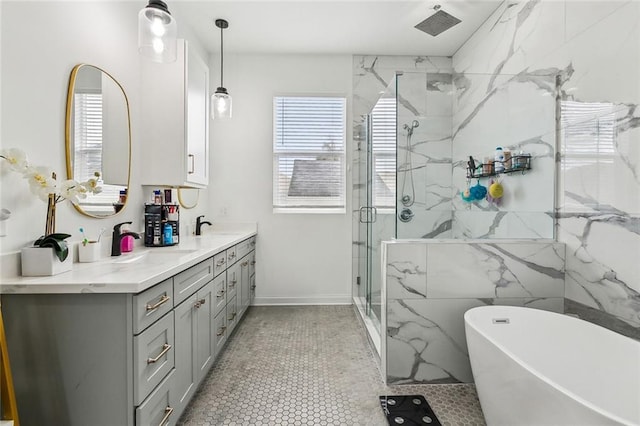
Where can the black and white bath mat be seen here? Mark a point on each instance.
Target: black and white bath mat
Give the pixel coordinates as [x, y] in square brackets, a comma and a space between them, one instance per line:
[408, 410]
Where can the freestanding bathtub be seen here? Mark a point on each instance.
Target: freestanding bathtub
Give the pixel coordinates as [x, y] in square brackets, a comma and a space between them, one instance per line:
[533, 367]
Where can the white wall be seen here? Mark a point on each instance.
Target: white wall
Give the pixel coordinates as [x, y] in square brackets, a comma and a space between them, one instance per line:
[40, 44]
[301, 258]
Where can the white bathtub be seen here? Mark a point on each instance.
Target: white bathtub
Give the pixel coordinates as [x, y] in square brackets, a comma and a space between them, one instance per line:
[543, 368]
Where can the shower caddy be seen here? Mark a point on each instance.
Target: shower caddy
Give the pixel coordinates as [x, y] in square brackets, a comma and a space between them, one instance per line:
[516, 163]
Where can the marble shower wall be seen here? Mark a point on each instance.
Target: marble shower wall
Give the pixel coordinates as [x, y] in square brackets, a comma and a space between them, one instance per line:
[430, 284]
[594, 49]
[424, 157]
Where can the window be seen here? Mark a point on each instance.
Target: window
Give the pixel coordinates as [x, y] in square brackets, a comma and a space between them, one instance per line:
[309, 153]
[87, 140]
[383, 143]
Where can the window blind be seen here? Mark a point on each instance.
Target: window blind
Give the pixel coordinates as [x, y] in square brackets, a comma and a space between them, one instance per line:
[384, 147]
[589, 133]
[87, 140]
[309, 152]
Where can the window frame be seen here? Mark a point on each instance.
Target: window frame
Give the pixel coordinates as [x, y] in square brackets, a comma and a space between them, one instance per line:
[341, 154]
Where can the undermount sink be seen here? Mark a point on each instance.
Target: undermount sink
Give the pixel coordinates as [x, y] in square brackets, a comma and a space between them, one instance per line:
[151, 256]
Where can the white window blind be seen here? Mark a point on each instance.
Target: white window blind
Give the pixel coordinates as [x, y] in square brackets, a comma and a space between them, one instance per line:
[87, 135]
[309, 152]
[589, 133]
[87, 140]
[383, 134]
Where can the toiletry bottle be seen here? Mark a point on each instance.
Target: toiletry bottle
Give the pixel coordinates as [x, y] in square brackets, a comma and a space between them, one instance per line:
[499, 163]
[157, 197]
[168, 234]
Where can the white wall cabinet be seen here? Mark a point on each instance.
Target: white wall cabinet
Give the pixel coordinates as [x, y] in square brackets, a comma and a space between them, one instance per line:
[175, 111]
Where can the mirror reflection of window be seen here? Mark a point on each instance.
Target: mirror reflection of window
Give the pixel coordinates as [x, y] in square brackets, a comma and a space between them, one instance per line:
[98, 138]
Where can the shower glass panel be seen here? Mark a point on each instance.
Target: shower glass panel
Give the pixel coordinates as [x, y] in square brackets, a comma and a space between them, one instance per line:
[377, 199]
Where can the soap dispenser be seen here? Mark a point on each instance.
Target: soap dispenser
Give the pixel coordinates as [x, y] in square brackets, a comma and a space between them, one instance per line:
[126, 244]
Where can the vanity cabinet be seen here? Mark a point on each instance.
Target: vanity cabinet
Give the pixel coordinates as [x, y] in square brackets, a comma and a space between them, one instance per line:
[121, 358]
[175, 121]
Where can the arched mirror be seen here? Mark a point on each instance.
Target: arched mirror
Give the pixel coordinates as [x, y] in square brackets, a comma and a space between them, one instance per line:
[98, 139]
[188, 197]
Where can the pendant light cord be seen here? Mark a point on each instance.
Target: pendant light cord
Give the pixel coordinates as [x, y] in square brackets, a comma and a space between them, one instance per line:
[221, 57]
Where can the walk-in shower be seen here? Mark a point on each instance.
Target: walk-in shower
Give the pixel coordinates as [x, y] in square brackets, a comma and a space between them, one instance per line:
[414, 147]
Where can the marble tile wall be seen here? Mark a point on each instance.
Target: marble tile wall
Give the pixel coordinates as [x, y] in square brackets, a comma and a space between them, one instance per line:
[429, 286]
[594, 49]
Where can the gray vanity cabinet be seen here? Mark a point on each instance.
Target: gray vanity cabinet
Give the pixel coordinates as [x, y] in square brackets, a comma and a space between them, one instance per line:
[194, 343]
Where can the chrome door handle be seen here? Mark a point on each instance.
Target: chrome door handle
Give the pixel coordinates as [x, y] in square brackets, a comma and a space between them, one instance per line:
[193, 164]
[167, 413]
[164, 299]
[165, 348]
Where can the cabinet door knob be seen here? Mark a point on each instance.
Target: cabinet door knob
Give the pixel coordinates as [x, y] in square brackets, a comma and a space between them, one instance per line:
[165, 348]
[164, 299]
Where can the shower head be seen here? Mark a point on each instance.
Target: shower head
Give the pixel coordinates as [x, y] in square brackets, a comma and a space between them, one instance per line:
[438, 22]
[409, 128]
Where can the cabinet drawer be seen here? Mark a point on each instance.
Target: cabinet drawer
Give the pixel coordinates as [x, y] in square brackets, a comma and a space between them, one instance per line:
[188, 282]
[232, 315]
[158, 409]
[245, 247]
[153, 357]
[219, 263]
[232, 255]
[151, 305]
[220, 330]
[219, 293]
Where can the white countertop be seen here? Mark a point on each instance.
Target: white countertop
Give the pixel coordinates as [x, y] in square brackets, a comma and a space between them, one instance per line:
[131, 272]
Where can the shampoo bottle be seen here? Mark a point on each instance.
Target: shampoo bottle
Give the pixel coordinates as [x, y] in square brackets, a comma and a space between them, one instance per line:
[499, 163]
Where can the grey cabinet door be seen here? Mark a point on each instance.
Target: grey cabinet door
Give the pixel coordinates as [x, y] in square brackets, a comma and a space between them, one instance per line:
[204, 330]
[233, 280]
[245, 284]
[186, 370]
[159, 408]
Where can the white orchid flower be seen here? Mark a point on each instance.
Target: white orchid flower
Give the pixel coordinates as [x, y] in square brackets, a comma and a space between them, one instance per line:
[15, 158]
[40, 181]
[92, 186]
[72, 190]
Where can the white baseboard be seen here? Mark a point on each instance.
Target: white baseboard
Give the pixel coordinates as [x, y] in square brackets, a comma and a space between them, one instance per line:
[317, 300]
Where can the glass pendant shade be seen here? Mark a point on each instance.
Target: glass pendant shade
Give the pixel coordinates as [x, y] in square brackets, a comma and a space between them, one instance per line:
[157, 32]
[220, 104]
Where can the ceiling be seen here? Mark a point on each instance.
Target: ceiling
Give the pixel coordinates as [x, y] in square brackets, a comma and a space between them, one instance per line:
[329, 26]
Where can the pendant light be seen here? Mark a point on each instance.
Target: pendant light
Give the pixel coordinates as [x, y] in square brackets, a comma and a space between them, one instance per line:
[157, 32]
[221, 100]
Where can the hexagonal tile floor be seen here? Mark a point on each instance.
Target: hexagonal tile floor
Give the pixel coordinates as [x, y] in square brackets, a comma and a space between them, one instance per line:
[309, 365]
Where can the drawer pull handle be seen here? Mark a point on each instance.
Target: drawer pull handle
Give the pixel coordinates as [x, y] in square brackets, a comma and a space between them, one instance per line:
[200, 303]
[253, 243]
[165, 349]
[253, 287]
[167, 413]
[232, 255]
[232, 317]
[245, 263]
[220, 262]
[221, 331]
[253, 262]
[164, 299]
[232, 283]
[221, 294]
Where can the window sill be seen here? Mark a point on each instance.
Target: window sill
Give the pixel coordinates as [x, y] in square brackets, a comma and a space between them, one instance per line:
[309, 210]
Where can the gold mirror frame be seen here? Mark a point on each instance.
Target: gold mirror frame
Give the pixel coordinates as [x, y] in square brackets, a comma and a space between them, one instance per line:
[68, 135]
[182, 201]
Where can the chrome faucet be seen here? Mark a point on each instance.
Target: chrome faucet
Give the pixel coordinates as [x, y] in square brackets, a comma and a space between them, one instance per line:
[199, 224]
[116, 239]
